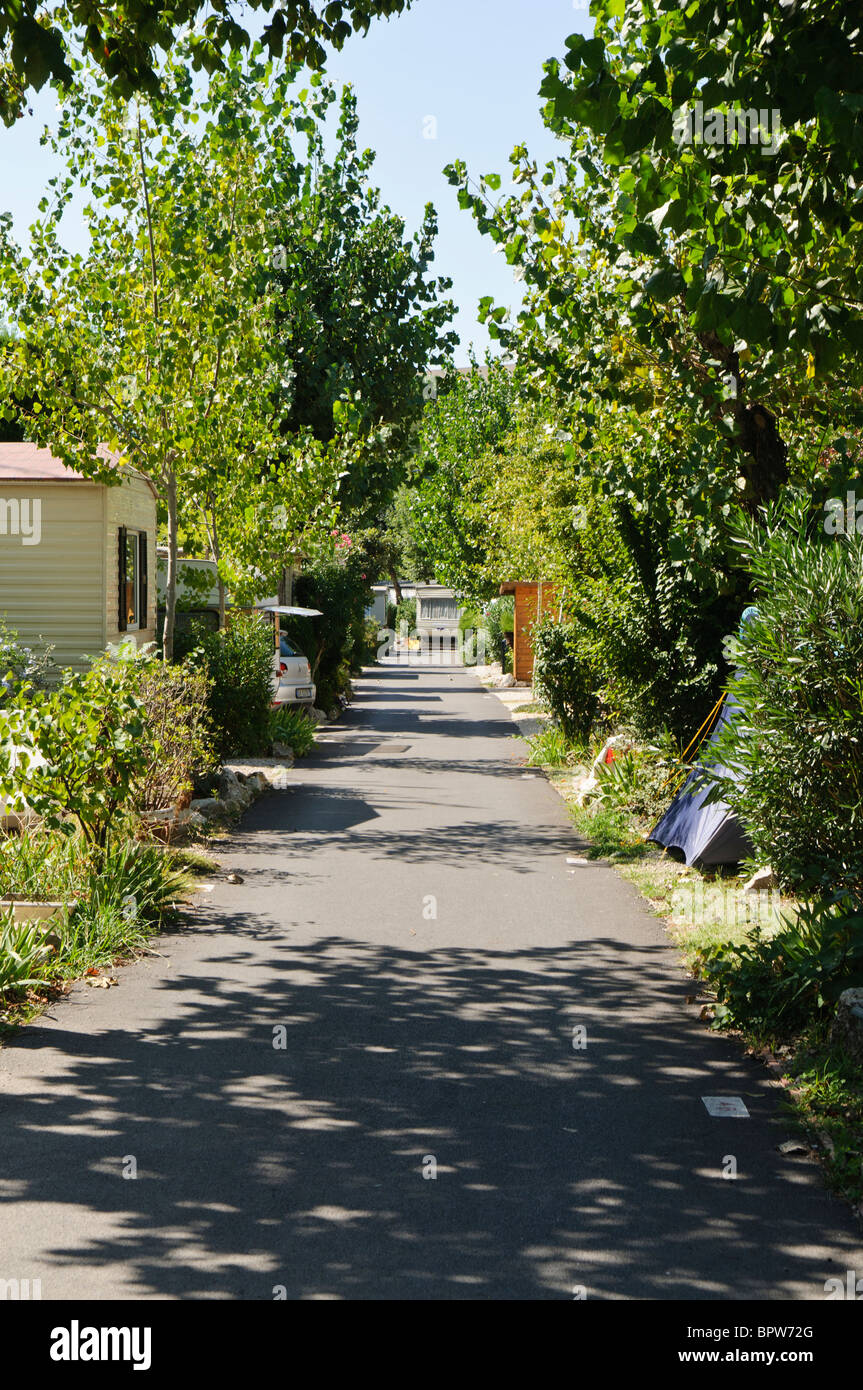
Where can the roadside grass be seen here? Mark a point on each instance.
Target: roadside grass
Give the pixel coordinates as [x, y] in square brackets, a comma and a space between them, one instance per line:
[823, 1089]
[111, 915]
[826, 1096]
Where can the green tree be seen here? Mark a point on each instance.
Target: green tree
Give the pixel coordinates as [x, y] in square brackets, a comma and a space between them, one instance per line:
[359, 318]
[123, 39]
[156, 347]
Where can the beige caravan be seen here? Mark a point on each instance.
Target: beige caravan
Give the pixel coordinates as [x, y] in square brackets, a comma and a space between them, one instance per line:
[77, 558]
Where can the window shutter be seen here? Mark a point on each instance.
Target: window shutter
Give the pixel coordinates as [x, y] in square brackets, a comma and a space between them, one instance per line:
[121, 575]
[143, 613]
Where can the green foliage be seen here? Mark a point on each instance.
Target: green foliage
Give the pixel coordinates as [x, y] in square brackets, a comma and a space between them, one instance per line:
[132, 890]
[638, 780]
[293, 727]
[20, 664]
[465, 422]
[336, 642]
[358, 317]
[239, 665]
[124, 39]
[23, 956]
[562, 679]
[178, 735]
[774, 985]
[550, 747]
[797, 746]
[74, 754]
[498, 619]
[406, 615]
[43, 866]
[399, 531]
[158, 347]
[371, 628]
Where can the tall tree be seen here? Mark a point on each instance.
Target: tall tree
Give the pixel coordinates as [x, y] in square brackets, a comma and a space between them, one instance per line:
[359, 318]
[158, 343]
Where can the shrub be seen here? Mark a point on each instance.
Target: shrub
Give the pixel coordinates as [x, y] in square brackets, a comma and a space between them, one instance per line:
[239, 664]
[638, 780]
[23, 956]
[178, 732]
[42, 865]
[562, 679]
[334, 642]
[775, 985]
[74, 754]
[20, 664]
[406, 615]
[292, 726]
[499, 619]
[796, 748]
[371, 628]
[113, 904]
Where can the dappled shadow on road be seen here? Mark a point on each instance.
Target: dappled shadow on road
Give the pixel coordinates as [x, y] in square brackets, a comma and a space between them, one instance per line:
[303, 1166]
[313, 813]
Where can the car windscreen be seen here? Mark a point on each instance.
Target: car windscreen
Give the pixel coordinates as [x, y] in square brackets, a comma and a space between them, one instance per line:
[286, 649]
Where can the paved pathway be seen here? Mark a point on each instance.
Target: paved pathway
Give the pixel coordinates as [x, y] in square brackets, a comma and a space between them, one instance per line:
[412, 1042]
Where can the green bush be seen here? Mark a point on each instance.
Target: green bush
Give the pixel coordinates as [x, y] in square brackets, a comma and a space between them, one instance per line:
[371, 628]
[562, 679]
[23, 956]
[178, 734]
[114, 905]
[334, 643]
[499, 619]
[796, 748]
[239, 664]
[638, 780]
[406, 616]
[20, 664]
[292, 726]
[74, 754]
[775, 985]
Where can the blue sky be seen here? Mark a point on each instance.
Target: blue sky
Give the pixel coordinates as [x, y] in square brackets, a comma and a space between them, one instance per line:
[474, 66]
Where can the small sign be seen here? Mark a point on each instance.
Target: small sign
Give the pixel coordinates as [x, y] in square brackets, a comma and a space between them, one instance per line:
[726, 1106]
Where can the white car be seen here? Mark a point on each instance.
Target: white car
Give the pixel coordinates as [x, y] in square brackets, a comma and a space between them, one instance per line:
[292, 675]
[294, 684]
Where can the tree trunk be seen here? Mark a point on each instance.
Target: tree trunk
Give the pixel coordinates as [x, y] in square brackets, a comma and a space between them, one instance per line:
[396, 585]
[217, 556]
[284, 598]
[171, 577]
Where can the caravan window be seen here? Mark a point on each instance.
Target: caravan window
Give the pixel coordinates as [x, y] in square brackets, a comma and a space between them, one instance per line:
[133, 575]
[439, 610]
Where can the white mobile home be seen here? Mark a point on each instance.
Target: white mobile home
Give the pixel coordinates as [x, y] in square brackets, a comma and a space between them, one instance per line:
[438, 610]
[77, 558]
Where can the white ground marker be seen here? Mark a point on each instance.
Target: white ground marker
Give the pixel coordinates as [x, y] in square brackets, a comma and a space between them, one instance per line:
[726, 1106]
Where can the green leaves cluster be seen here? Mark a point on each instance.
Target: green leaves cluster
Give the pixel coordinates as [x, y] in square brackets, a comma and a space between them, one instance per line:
[123, 39]
[73, 754]
[797, 747]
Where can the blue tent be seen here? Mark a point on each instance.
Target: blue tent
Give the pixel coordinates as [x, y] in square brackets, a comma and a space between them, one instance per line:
[709, 834]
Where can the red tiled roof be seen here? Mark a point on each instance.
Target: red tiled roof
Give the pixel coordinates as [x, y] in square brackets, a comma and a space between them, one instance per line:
[29, 463]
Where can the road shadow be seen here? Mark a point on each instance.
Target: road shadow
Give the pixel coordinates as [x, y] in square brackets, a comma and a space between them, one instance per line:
[286, 1132]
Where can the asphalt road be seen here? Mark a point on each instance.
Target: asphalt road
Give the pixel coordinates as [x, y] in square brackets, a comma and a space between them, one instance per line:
[408, 928]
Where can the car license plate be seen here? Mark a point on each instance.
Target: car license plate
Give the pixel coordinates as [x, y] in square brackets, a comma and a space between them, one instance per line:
[304, 692]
